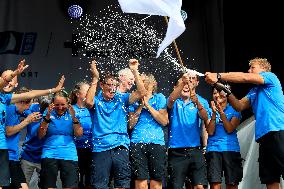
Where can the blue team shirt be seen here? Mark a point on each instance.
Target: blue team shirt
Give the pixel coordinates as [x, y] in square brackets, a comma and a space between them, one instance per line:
[5, 100]
[110, 122]
[13, 118]
[147, 129]
[185, 123]
[85, 120]
[267, 102]
[59, 140]
[221, 140]
[32, 146]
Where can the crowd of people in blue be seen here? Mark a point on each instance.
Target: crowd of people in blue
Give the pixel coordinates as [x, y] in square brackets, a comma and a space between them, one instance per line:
[104, 134]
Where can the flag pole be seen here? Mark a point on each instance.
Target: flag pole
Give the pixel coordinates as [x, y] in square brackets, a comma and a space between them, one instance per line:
[175, 45]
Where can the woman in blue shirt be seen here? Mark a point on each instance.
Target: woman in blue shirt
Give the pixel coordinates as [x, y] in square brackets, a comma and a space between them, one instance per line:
[147, 147]
[83, 143]
[59, 126]
[223, 149]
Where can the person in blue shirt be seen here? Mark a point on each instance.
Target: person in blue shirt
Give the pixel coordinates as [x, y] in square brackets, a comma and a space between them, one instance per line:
[8, 81]
[83, 143]
[14, 125]
[267, 102]
[147, 147]
[109, 110]
[126, 80]
[187, 111]
[223, 149]
[32, 146]
[59, 126]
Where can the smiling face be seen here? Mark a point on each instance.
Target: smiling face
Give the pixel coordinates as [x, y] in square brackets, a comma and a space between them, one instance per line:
[219, 97]
[127, 80]
[193, 83]
[109, 88]
[12, 84]
[60, 104]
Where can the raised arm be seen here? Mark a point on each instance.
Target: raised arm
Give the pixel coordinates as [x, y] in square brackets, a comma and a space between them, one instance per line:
[134, 116]
[92, 90]
[141, 91]
[78, 129]
[210, 127]
[35, 93]
[5, 80]
[177, 90]
[44, 124]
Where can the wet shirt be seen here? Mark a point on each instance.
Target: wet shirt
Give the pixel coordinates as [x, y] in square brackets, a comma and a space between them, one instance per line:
[32, 146]
[5, 100]
[147, 129]
[85, 120]
[267, 102]
[221, 140]
[185, 123]
[59, 140]
[109, 119]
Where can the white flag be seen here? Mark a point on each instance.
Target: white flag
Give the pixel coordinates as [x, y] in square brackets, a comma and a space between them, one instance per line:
[170, 8]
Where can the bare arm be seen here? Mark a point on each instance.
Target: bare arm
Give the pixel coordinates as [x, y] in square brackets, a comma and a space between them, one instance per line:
[141, 91]
[210, 128]
[177, 90]
[235, 77]
[11, 130]
[41, 132]
[239, 105]
[21, 67]
[133, 117]
[160, 116]
[78, 129]
[36, 93]
[93, 88]
[229, 126]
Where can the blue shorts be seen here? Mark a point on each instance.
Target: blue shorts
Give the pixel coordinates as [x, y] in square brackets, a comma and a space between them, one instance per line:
[114, 162]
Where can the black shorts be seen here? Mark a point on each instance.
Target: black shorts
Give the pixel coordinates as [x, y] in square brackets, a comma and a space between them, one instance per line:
[148, 161]
[4, 168]
[16, 174]
[85, 163]
[228, 162]
[186, 163]
[69, 173]
[271, 157]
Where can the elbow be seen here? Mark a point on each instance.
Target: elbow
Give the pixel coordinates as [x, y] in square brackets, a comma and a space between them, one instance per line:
[89, 103]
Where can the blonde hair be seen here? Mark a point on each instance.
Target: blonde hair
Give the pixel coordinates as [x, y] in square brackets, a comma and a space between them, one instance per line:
[151, 78]
[262, 62]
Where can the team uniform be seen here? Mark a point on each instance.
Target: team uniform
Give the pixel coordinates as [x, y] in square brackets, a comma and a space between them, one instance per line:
[110, 141]
[59, 153]
[147, 147]
[186, 159]
[5, 100]
[267, 102]
[223, 152]
[84, 144]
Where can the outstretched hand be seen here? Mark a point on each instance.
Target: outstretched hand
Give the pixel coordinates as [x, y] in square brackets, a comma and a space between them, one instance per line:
[60, 84]
[21, 67]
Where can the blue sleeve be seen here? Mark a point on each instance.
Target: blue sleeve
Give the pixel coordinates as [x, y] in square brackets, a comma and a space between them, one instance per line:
[268, 77]
[252, 95]
[162, 102]
[237, 114]
[11, 118]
